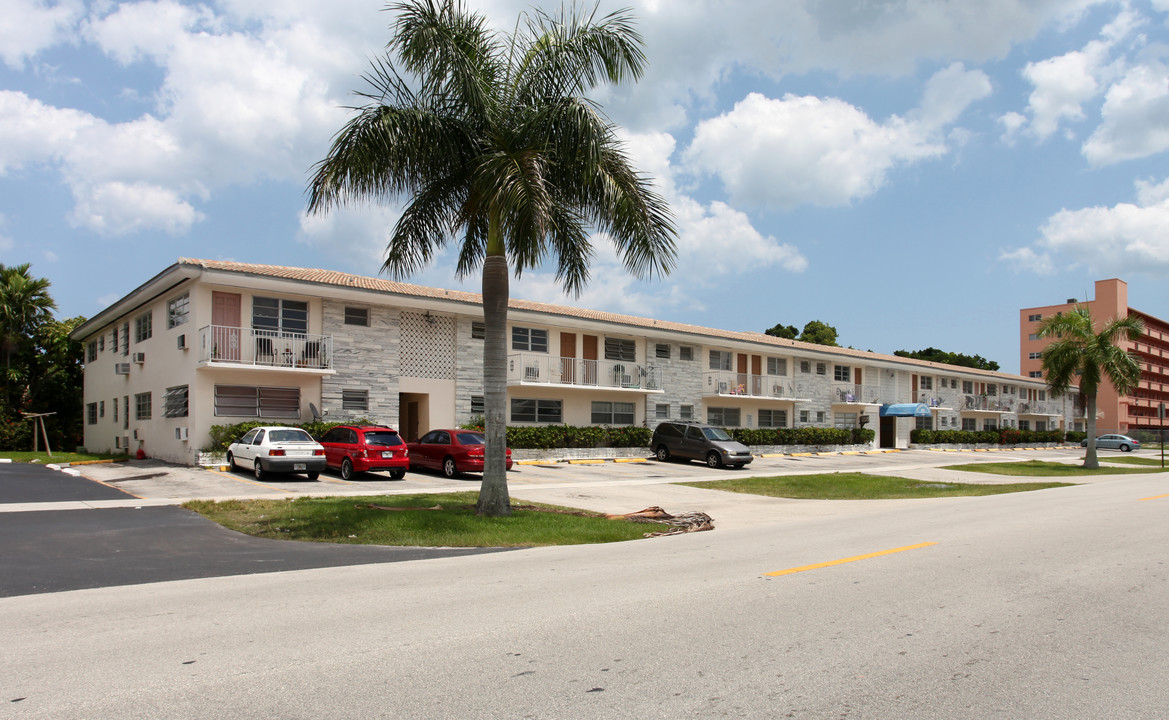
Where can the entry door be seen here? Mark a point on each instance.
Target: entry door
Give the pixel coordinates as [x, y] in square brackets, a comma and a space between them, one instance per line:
[568, 358]
[589, 353]
[741, 381]
[225, 331]
[757, 375]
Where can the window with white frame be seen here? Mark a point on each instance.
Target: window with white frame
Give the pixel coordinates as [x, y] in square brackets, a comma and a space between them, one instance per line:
[989, 425]
[91, 413]
[613, 413]
[253, 401]
[529, 339]
[355, 400]
[776, 366]
[968, 387]
[356, 316]
[1035, 356]
[821, 368]
[662, 411]
[806, 366]
[721, 359]
[662, 350]
[772, 418]
[992, 390]
[820, 416]
[101, 343]
[1032, 336]
[685, 412]
[534, 410]
[924, 423]
[115, 409]
[969, 424]
[723, 417]
[803, 416]
[478, 330]
[1024, 424]
[178, 310]
[1035, 374]
[1041, 425]
[142, 406]
[280, 316]
[143, 327]
[1033, 318]
[91, 351]
[685, 352]
[126, 338]
[620, 349]
[925, 383]
[841, 373]
[845, 420]
[1042, 394]
[176, 401]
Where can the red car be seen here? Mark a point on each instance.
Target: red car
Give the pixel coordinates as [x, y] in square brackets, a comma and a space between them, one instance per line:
[451, 451]
[358, 448]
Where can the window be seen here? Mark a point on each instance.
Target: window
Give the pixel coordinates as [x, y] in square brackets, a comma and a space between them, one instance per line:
[251, 401]
[178, 310]
[101, 408]
[821, 368]
[528, 410]
[142, 406]
[620, 349]
[1042, 394]
[968, 387]
[1024, 424]
[845, 420]
[478, 406]
[685, 352]
[662, 411]
[841, 373]
[1035, 374]
[803, 416]
[143, 327]
[925, 423]
[989, 425]
[126, 338]
[1041, 425]
[125, 412]
[953, 383]
[91, 351]
[820, 416]
[925, 383]
[1033, 318]
[1035, 356]
[115, 409]
[992, 390]
[280, 316]
[355, 400]
[969, 424]
[772, 418]
[91, 413]
[357, 316]
[101, 343]
[114, 340]
[776, 366]
[478, 330]
[529, 339]
[723, 417]
[805, 366]
[1032, 336]
[686, 412]
[662, 350]
[175, 402]
[613, 413]
[720, 360]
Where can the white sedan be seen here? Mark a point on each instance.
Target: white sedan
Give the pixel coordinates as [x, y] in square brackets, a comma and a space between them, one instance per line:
[267, 450]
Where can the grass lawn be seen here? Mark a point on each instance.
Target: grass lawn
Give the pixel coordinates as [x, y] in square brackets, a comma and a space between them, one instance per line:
[27, 456]
[1146, 461]
[859, 486]
[1041, 468]
[349, 520]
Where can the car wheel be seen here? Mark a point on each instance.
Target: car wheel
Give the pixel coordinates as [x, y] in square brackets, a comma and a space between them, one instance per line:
[260, 473]
[1125, 447]
[449, 468]
[313, 475]
[663, 453]
[231, 462]
[346, 469]
[398, 473]
[713, 460]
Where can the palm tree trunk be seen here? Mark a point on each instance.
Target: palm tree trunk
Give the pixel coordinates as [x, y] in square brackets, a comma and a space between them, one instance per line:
[1090, 459]
[493, 496]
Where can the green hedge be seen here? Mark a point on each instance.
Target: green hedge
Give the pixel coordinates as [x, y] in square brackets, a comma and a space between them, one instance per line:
[803, 436]
[224, 435]
[1008, 436]
[545, 437]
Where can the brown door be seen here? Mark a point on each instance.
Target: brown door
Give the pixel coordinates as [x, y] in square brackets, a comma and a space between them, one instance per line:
[225, 331]
[757, 375]
[913, 391]
[858, 382]
[568, 358]
[589, 353]
[741, 381]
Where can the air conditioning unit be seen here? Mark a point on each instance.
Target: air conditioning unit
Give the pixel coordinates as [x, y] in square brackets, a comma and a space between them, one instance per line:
[140, 357]
[181, 342]
[125, 442]
[181, 433]
[122, 369]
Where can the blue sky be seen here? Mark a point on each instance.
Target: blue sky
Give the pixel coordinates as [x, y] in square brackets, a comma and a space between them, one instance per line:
[911, 172]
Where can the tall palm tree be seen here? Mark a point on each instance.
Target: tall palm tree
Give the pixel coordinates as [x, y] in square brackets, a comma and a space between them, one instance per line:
[491, 139]
[1081, 356]
[25, 304]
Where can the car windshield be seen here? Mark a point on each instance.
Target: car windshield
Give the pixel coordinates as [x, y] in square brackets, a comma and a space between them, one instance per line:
[290, 435]
[713, 433]
[470, 438]
[387, 438]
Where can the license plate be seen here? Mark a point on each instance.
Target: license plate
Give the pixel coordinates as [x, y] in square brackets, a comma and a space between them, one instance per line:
[298, 466]
[387, 453]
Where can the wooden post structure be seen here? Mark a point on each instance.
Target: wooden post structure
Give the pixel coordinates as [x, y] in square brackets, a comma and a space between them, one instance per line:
[39, 419]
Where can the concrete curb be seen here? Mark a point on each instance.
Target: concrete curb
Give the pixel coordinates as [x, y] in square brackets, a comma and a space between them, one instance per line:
[600, 461]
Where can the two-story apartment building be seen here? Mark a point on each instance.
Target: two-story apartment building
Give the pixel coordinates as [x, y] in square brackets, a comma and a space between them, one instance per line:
[211, 342]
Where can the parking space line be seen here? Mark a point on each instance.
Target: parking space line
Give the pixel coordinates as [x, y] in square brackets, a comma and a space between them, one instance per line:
[830, 563]
[1155, 497]
[233, 476]
[338, 481]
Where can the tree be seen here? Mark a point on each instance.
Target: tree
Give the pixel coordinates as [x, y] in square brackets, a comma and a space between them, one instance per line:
[820, 333]
[493, 140]
[24, 305]
[933, 354]
[783, 331]
[1081, 356]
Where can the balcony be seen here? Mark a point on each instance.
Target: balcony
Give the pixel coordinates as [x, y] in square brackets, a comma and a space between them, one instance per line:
[1047, 408]
[724, 383]
[542, 370]
[984, 403]
[233, 346]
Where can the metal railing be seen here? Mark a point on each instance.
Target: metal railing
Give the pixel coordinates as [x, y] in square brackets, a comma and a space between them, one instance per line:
[988, 402]
[532, 369]
[725, 383]
[245, 346]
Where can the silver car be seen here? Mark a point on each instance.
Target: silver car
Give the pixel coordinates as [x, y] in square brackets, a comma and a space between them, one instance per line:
[1115, 442]
[265, 450]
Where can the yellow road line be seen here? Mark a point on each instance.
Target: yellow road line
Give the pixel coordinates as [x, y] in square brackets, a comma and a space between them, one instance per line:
[1155, 497]
[631, 460]
[585, 462]
[830, 563]
[339, 481]
[233, 476]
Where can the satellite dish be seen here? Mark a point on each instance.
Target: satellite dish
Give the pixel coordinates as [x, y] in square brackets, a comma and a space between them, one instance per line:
[316, 413]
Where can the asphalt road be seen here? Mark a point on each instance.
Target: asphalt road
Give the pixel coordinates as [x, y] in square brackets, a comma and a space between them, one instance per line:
[1048, 604]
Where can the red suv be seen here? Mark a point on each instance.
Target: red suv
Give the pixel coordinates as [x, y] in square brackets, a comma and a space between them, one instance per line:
[357, 448]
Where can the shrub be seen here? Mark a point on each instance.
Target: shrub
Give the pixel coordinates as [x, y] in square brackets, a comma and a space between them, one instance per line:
[803, 436]
[224, 435]
[545, 437]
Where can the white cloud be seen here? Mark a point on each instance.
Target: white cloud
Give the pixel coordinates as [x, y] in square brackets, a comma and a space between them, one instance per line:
[32, 132]
[117, 208]
[1135, 117]
[824, 151]
[29, 26]
[1124, 239]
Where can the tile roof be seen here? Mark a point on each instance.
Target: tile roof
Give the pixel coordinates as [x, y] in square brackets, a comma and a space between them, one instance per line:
[347, 280]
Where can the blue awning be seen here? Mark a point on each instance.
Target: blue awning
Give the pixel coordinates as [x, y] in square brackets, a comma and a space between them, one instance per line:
[905, 410]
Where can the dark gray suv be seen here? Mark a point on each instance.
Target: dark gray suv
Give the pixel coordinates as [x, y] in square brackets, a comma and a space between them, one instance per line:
[693, 441]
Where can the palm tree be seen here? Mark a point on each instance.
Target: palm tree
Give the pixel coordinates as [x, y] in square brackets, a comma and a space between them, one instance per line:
[495, 147]
[1085, 356]
[24, 305]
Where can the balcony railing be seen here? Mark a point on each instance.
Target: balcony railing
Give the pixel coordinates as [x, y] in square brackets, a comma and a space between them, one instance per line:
[532, 369]
[1040, 408]
[245, 346]
[725, 383]
[988, 403]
